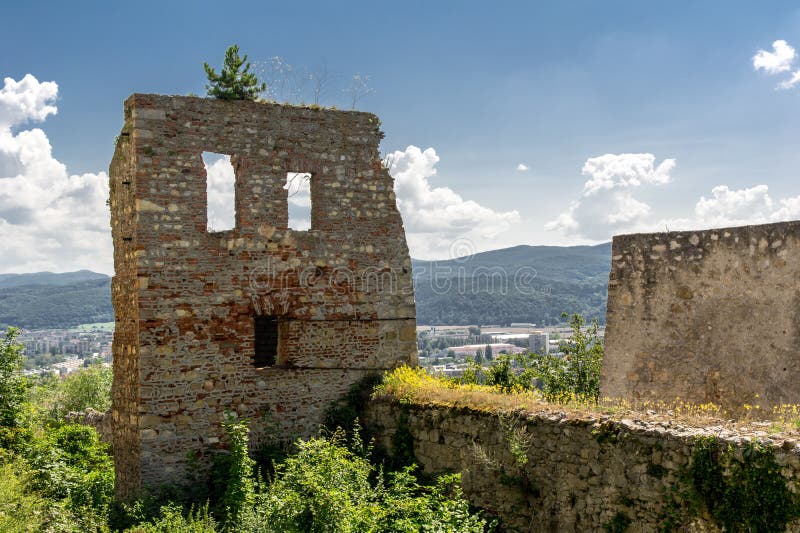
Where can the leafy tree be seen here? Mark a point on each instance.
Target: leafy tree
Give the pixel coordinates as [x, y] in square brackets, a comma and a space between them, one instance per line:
[583, 353]
[488, 352]
[235, 81]
[90, 387]
[13, 385]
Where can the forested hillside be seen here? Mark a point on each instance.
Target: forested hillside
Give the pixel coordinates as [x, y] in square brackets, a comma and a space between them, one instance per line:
[48, 300]
[519, 284]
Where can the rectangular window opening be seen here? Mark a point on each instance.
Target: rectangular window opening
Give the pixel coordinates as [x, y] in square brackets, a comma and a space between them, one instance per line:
[298, 189]
[220, 191]
[266, 341]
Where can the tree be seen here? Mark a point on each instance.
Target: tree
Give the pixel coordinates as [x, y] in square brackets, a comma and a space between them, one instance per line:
[583, 354]
[13, 385]
[235, 81]
[90, 387]
[488, 352]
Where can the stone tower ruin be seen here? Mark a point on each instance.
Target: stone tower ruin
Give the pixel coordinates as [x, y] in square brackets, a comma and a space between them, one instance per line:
[271, 323]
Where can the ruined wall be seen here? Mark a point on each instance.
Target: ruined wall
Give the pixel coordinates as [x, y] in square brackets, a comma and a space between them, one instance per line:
[185, 298]
[707, 316]
[566, 472]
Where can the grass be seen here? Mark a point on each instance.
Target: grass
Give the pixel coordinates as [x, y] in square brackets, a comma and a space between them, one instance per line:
[415, 385]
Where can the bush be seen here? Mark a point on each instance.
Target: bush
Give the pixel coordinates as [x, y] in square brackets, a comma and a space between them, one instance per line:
[172, 520]
[72, 464]
[13, 385]
[19, 510]
[90, 387]
[327, 487]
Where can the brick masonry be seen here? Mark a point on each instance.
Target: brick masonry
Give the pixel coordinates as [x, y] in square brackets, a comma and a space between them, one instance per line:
[707, 316]
[185, 298]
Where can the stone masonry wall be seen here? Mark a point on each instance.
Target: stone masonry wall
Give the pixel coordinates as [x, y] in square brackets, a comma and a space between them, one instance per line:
[707, 316]
[185, 298]
[579, 472]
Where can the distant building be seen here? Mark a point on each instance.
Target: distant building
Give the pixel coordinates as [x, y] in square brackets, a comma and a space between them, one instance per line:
[539, 342]
[522, 325]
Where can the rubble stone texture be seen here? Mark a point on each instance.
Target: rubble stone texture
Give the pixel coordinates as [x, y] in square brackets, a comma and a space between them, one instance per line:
[550, 471]
[707, 316]
[186, 299]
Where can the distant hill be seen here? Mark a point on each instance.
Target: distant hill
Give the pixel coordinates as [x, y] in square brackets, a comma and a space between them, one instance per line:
[48, 300]
[520, 284]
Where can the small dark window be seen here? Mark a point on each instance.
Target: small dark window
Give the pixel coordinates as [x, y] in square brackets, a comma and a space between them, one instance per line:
[266, 341]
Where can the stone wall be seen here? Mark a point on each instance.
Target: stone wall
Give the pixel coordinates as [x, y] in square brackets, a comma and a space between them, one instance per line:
[186, 299]
[707, 316]
[564, 472]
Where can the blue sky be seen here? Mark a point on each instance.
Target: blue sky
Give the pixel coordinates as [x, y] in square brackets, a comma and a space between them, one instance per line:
[487, 86]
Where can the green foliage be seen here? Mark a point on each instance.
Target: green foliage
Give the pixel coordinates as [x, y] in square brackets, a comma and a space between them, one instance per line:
[328, 487]
[747, 494]
[71, 463]
[578, 373]
[173, 520]
[13, 385]
[89, 387]
[20, 511]
[575, 376]
[240, 489]
[235, 81]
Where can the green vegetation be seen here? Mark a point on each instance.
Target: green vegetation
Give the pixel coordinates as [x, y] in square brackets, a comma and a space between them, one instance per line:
[59, 477]
[235, 81]
[744, 493]
[575, 376]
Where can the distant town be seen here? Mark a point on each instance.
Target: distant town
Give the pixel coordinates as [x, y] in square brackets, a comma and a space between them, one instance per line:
[444, 350]
[63, 351]
[447, 350]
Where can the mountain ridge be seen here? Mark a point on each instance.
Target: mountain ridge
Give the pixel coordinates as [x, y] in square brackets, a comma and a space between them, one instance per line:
[525, 283]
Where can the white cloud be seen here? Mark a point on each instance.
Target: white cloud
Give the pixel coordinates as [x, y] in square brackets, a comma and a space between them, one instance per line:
[220, 181]
[611, 171]
[25, 100]
[522, 167]
[49, 220]
[604, 211]
[728, 207]
[791, 82]
[435, 217]
[606, 205]
[777, 61]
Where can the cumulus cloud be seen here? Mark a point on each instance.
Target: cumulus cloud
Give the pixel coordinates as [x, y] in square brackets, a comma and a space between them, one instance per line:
[777, 61]
[435, 217]
[25, 100]
[220, 181]
[604, 211]
[522, 167]
[606, 205]
[49, 219]
[613, 171]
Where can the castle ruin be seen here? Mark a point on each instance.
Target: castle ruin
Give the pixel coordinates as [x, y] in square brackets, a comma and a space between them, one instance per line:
[270, 323]
[705, 316]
